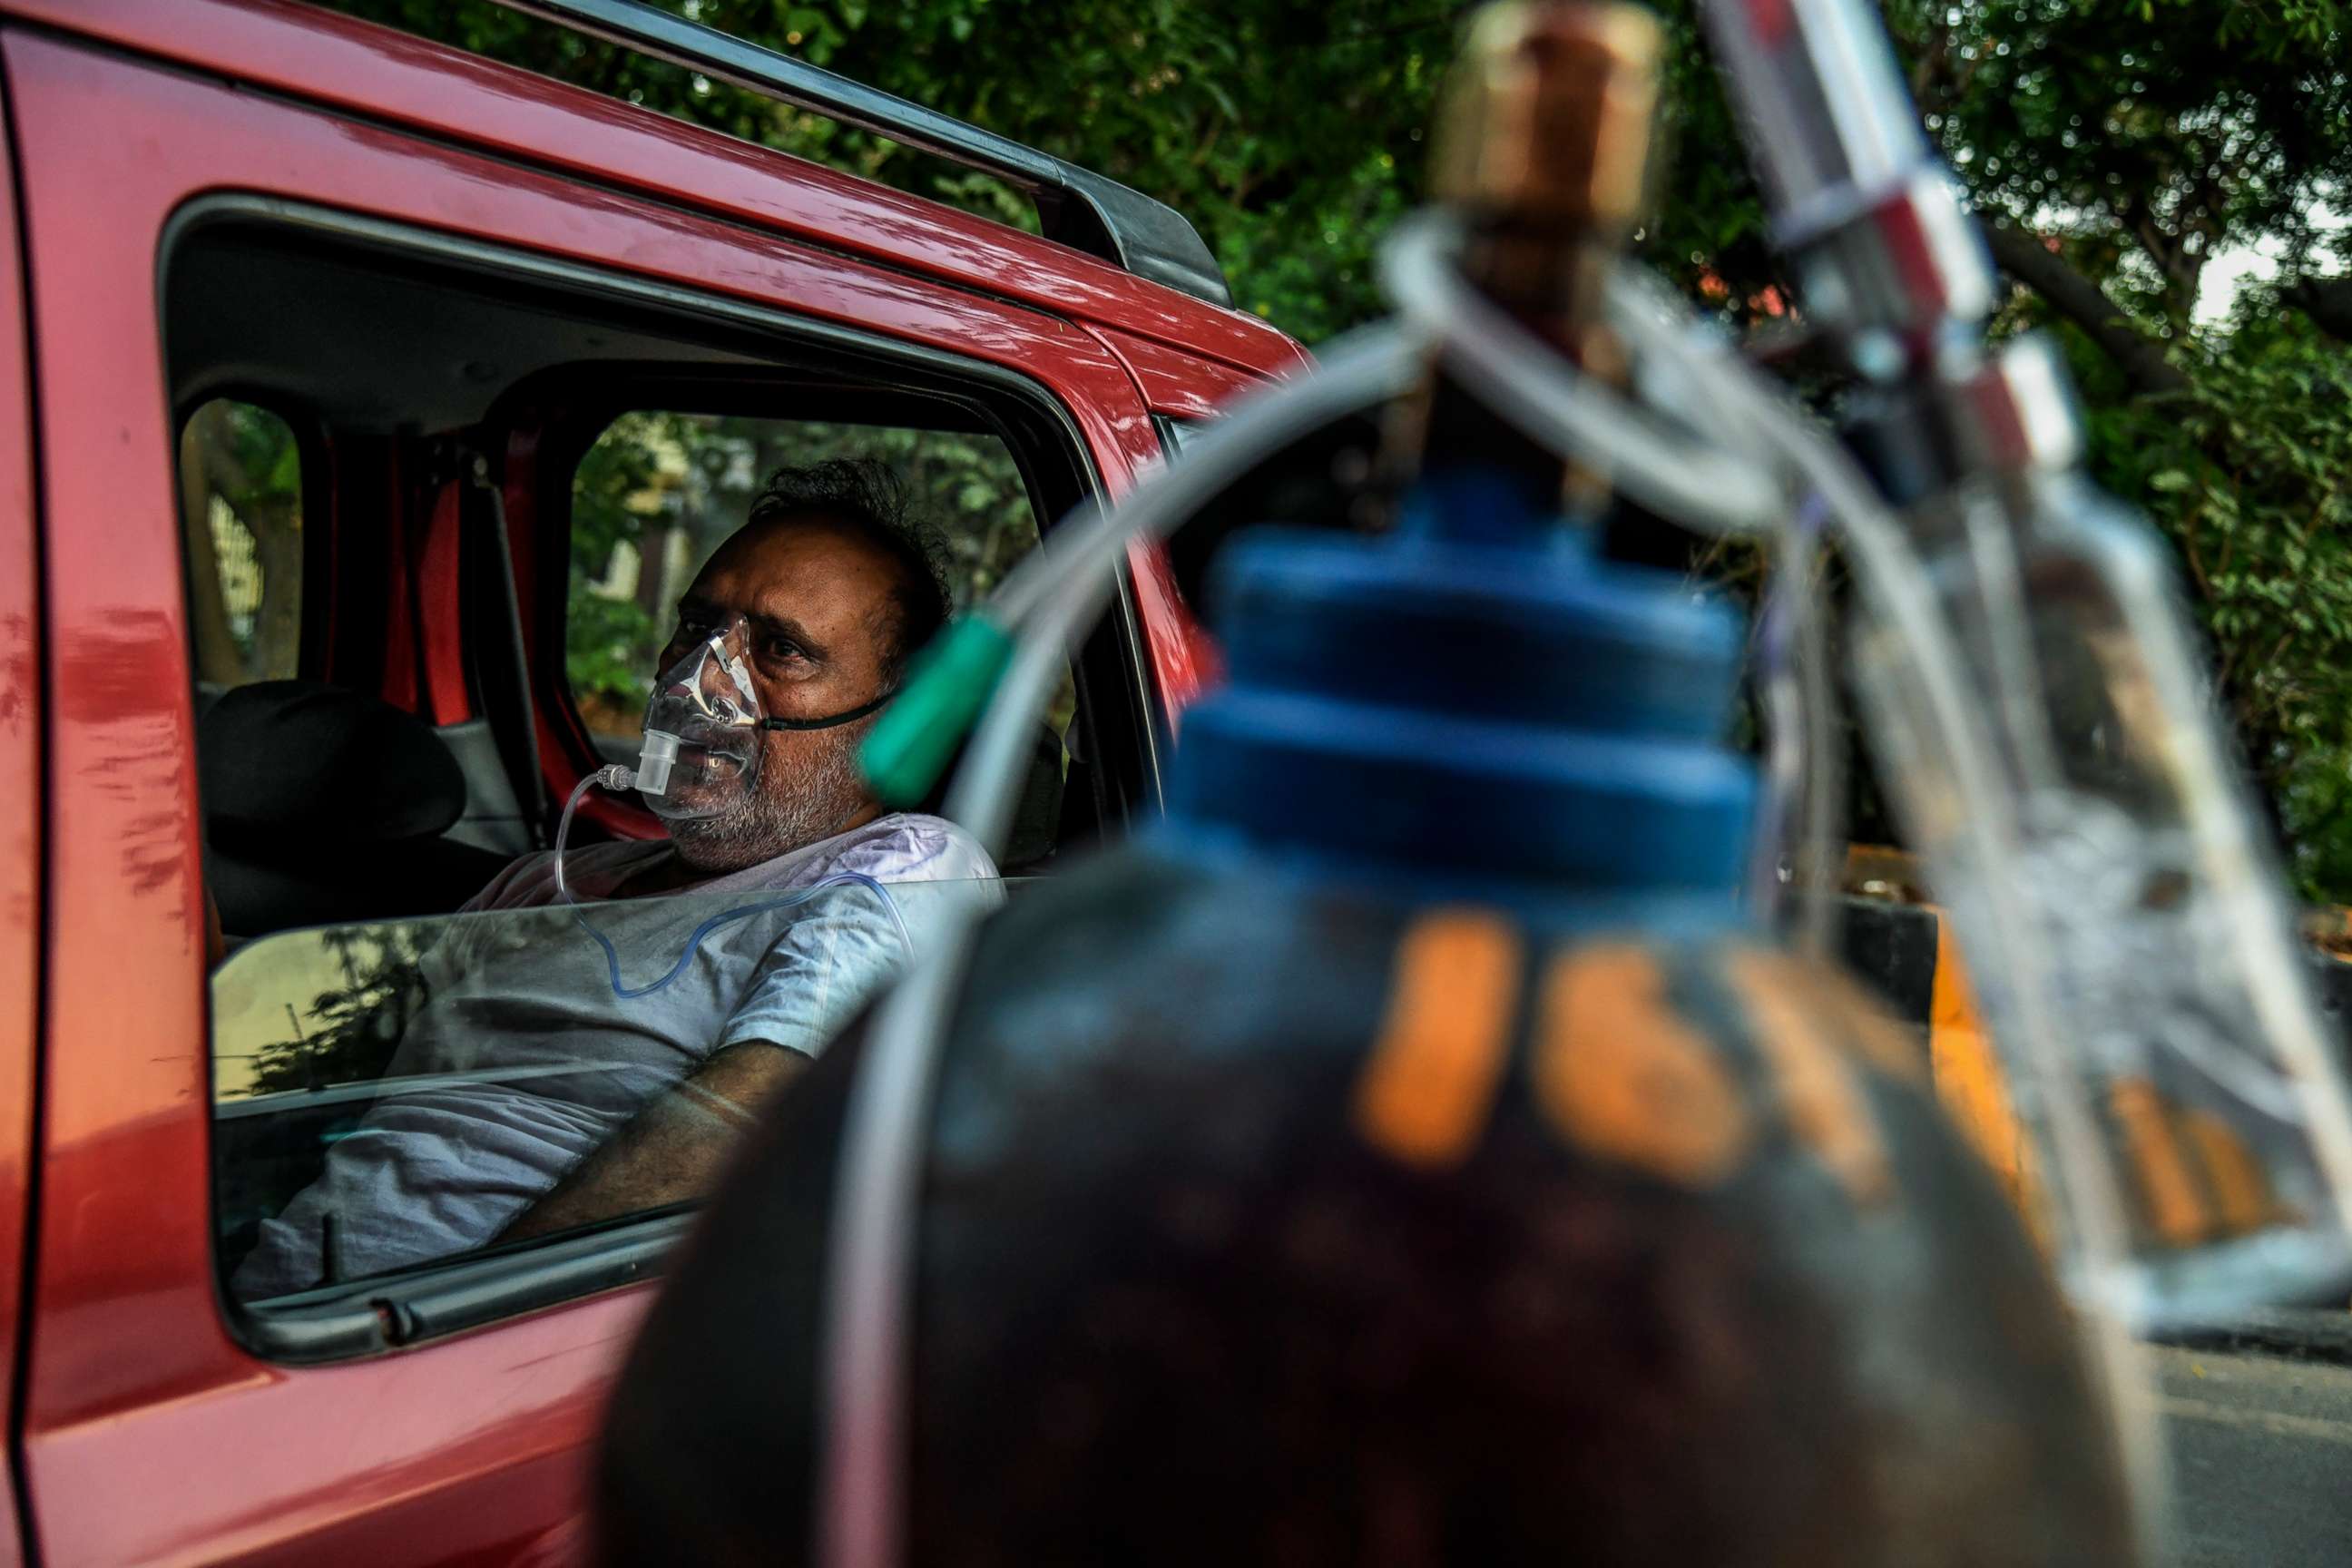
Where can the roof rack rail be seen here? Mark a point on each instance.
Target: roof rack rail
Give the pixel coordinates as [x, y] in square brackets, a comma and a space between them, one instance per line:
[1075, 206]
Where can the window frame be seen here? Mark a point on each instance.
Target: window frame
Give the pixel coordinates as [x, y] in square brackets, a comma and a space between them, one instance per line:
[384, 1314]
[1177, 431]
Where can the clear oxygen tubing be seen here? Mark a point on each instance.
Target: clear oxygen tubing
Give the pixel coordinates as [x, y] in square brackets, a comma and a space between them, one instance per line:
[1813, 714]
[1056, 593]
[1066, 583]
[1697, 481]
[1761, 418]
[1801, 762]
[615, 776]
[1895, 581]
[1724, 485]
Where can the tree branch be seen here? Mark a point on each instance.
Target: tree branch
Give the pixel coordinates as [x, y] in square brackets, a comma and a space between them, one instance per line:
[1929, 72]
[2028, 258]
[2163, 247]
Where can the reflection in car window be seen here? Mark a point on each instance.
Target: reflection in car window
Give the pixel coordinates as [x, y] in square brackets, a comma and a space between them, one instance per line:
[241, 517]
[399, 1093]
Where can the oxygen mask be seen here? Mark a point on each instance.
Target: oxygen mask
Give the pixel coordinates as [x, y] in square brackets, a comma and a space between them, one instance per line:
[704, 733]
[703, 728]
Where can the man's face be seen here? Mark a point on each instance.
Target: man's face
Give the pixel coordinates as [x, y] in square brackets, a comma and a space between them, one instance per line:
[819, 603]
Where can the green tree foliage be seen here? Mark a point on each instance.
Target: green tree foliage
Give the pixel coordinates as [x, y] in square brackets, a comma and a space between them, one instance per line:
[241, 484]
[2115, 150]
[2118, 148]
[2117, 153]
[1291, 134]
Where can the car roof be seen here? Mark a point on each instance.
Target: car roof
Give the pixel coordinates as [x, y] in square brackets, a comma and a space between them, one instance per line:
[361, 68]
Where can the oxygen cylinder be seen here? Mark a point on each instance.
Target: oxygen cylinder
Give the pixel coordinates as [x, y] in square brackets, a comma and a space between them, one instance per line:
[1408, 1153]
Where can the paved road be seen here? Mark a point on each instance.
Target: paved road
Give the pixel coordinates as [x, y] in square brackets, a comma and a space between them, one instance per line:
[2261, 1459]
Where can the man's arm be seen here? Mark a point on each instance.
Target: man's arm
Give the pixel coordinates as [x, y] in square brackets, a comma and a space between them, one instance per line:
[675, 1148]
[826, 965]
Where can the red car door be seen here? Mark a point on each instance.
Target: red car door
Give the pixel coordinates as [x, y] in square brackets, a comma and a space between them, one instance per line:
[22, 703]
[151, 1433]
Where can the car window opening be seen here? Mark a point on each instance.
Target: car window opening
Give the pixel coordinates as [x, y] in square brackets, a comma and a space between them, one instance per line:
[420, 1054]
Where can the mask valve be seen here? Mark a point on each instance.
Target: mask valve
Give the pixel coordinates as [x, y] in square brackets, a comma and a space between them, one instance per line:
[654, 761]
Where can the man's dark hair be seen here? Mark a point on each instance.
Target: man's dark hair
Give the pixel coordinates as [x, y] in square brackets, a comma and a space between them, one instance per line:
[864, 495]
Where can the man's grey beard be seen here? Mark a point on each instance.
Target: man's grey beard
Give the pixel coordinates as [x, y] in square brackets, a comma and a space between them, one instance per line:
[788, 809]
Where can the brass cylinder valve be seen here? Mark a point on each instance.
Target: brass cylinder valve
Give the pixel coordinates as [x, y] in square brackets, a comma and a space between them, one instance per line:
[1544, 154]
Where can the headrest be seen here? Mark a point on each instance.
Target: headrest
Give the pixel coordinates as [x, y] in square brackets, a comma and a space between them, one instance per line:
[314, 761]
[1036, 817]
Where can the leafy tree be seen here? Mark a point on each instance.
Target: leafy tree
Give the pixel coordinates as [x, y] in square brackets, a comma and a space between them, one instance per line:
[2116, 148]
[2116, 151]
[2113, 152]
[241, 481]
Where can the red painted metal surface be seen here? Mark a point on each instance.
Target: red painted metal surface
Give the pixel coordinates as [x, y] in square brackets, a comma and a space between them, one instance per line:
[441, 626]
[21, 704]
[396, 77]
[1186, 659]
[561, 736]
[1187, 385]
[465, 1451]
[403, 661]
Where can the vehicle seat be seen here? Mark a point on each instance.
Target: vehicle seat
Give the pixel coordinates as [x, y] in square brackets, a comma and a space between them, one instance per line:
[324, 806]
[1037, 815]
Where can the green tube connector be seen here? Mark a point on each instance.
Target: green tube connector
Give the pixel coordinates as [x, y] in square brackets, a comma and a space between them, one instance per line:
[911, 744]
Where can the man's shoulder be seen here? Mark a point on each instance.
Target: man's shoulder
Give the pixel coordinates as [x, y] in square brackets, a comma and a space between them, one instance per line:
[907, 846]
[902, 846]
[592, 870]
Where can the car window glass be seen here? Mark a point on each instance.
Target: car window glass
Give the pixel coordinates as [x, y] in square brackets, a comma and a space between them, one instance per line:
[399, 1093]
[1177, 435]
[241, 515]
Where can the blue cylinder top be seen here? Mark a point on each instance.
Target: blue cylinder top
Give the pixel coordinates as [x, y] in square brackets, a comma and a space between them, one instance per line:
[1475, 703]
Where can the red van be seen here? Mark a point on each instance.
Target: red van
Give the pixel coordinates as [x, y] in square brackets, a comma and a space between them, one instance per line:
[333, 356]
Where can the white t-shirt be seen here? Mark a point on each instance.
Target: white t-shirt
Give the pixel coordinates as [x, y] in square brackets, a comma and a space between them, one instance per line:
[537, 1042]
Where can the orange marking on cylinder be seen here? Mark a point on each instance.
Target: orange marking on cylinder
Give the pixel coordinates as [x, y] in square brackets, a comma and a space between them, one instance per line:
[1871, 1035]
[1824, 1105]
[2166, 1186]
[1429, 1084]
[1858, 1023]
[1624, 1078]
[2234, 1175]
[1973, 1085]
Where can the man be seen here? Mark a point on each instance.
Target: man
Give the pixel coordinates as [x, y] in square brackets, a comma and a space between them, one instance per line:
[585, 1090]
